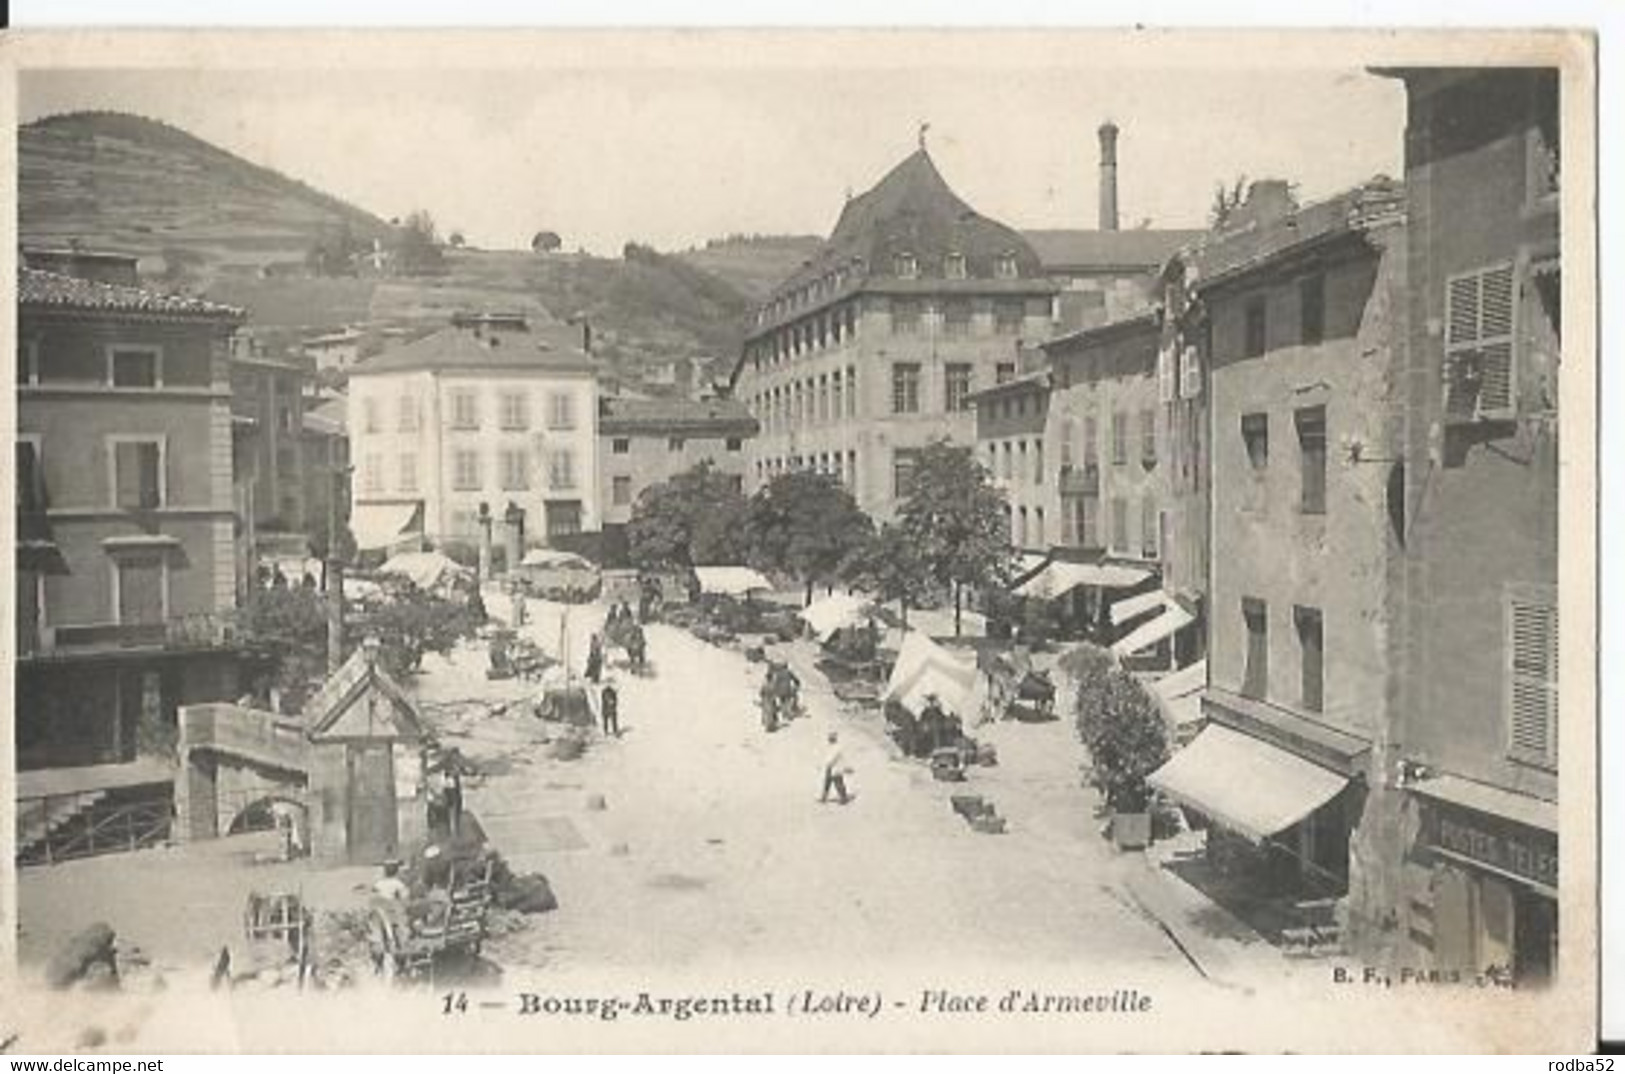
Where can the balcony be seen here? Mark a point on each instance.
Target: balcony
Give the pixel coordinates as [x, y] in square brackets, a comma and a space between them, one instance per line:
[1080, 480]
[202, 630]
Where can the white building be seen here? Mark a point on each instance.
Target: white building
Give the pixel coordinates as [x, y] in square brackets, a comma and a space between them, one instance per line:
[490, 410]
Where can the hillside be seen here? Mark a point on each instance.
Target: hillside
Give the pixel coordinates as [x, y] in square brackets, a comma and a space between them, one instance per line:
[753, 264]
[209, 222]
[129, 183]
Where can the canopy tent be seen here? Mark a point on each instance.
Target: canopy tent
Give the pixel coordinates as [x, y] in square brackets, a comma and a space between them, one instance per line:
[555, 558]
[426, 570]
[1058, 579]
[828, 614]
[1247, 785]
[731, 581]
[1134, 607]
[1173, 617]
[384, 525]
[1482, 798]
[923, 669]
[1179, 694]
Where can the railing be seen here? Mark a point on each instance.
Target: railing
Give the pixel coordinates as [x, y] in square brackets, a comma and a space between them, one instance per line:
[200, 630]
[85, 824]
[257, 736]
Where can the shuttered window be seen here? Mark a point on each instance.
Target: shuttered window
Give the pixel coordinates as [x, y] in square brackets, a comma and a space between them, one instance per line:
[1531, 657]
[1167, 363]
[1480, 360]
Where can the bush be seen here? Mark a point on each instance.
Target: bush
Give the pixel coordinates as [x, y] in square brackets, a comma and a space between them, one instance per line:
[1121, 727]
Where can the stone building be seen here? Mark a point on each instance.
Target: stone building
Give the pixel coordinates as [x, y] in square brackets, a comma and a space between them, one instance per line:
[124, 573]
[490, 410]
[1302, 309]
[872, 350]
[1476, 500]
[642, 442]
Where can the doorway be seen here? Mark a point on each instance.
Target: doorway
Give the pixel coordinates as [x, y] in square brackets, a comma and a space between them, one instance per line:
[370, 821]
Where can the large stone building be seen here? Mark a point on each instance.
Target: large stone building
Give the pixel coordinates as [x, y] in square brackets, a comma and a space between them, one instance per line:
[124, 570]
[642, 442]
[491, 410]
[1476, 640]
[1301, 313]
[872, 350]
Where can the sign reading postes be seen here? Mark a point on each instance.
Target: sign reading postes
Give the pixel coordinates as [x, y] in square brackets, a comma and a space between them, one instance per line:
[1523, 852]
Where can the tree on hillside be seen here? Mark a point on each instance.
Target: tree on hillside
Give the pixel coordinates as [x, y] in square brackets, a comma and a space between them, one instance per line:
[1226, 200]
[958, 522]
[692, 519]
[456, 241]
[545, 242]
[887, 565]
[336, 253]
[805, 523]
[417, 246]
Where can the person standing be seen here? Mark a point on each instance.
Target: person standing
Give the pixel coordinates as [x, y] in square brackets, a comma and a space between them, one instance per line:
[835, 771]
[595, 658]
[609, 710]
[518, 605]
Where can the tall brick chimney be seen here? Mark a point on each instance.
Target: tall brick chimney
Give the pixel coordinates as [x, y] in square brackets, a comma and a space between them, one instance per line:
[1108, 176]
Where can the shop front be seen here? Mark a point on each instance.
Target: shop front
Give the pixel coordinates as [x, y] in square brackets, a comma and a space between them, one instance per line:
[1490, 906]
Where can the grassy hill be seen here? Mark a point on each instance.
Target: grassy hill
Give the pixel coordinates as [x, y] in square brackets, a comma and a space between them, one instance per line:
[753, 264]
[207, 221]
[124, 182]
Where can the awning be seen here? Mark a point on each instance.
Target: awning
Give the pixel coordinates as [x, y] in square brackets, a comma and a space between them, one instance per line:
[732, 581]
[1247, 785]
[828, 614]
[1481, 797]
[41, 557]
[1173, 617]
[923, 668]
[1180, 694]
[1137, 605]
[1059, 579]
[424, 569]
[556, 558]
[381, 525]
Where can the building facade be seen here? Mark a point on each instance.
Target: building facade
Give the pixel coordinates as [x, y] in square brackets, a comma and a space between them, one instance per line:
[268, 412]
[1478, 630]
[488, 411]
[872, 350]
[1305, 322]
[125, 575]
[642, 442]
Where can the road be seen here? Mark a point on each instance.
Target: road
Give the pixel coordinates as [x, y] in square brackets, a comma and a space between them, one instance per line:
[714, 849]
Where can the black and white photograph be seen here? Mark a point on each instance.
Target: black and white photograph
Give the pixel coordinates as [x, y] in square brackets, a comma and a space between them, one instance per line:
[920, 540]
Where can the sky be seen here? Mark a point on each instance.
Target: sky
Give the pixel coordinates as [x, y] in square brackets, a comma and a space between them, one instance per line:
[673, 156]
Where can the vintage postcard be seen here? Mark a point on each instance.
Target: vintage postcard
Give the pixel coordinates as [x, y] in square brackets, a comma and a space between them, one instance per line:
[958, 541]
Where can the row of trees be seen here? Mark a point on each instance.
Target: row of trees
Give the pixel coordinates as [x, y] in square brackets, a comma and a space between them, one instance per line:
[951, 533]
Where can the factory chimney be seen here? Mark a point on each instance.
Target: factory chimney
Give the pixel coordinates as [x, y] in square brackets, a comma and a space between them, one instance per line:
[1108, 176]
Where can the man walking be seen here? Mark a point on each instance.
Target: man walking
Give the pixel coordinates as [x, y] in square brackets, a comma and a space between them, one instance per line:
[835, 771]
[609, 703]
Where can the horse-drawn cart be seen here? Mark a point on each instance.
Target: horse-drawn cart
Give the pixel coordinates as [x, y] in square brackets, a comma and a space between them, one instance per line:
[406, 938]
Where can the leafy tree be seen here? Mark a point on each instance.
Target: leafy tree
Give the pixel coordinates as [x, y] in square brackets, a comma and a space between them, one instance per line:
[958, 522]
[695, 518]
[1122, 729]
[888, 565]
[288, 627]
[805, 523]
[411, 623]
[417, 246]
[456, 241]
[545, 242]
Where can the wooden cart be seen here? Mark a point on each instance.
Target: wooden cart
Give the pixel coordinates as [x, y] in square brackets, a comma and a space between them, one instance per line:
[407, 939]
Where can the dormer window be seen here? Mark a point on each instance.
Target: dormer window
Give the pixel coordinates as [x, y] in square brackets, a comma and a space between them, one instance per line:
[1005, 266]
[953, 267]
[905, 267]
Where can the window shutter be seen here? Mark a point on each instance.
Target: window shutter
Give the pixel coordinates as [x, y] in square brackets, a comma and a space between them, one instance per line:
[1481, 360]
[1165, 374]
[1532, 678]
[1496, 393]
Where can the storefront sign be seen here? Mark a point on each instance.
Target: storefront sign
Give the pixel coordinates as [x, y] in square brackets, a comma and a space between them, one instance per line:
[1501, 845]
